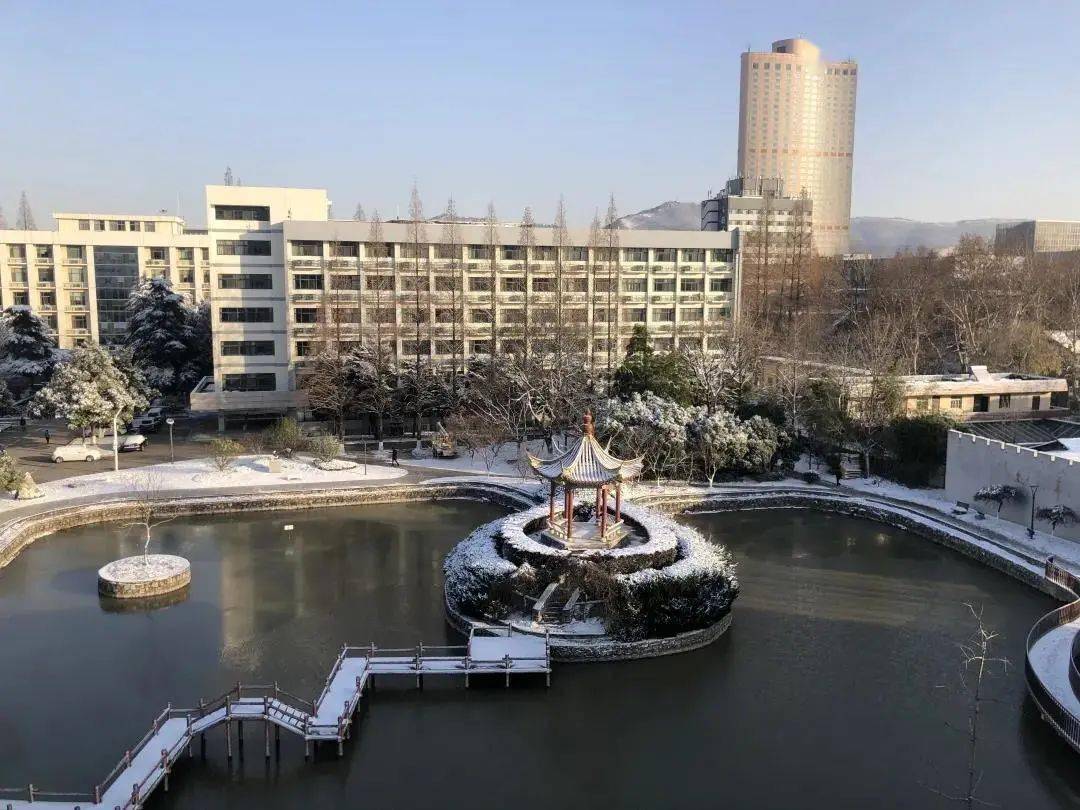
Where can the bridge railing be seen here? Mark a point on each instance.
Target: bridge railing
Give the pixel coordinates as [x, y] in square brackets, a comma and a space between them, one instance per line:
[1067, 724]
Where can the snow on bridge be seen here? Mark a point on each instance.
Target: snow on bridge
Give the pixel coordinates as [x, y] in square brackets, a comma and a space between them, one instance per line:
[327, 719]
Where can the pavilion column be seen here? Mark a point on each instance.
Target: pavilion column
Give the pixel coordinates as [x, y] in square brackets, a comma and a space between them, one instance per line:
[603, 511]
[618, 501]
[551, 506]
[569, 513]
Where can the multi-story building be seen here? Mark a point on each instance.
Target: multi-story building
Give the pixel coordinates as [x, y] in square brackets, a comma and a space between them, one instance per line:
[753, 204]
[797, 122]
[1037, 236]
[280, 265]
[79, 276]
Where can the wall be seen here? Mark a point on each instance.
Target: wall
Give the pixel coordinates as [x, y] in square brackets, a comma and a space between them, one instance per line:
[974, 462]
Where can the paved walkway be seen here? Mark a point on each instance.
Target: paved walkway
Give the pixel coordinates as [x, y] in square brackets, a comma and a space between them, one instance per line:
[1050, 657]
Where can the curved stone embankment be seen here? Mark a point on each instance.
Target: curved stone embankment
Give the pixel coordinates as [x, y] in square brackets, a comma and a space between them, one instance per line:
[143, 576]
[1052, 659]
[18, 533]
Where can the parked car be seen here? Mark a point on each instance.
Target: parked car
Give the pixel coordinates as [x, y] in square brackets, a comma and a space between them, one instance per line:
[127, 442]
[148, 422]
[77, 451]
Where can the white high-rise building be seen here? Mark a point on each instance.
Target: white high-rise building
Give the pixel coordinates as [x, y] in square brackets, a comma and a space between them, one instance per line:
[797, 122]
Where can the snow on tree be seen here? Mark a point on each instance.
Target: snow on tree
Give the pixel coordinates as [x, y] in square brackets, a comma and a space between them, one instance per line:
[29, 348]
[88, 390]
[650, 426]
[998, 494]
[161, 336]
[7, 401]
[1059, 515]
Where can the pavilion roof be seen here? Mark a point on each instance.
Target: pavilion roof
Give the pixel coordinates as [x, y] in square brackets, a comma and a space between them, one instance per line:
[586, 463]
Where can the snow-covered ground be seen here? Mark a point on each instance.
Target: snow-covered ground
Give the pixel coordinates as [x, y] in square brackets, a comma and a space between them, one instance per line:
[198, 474]
[509, 461]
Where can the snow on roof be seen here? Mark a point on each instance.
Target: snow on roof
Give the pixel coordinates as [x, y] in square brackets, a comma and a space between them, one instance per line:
[586, 463]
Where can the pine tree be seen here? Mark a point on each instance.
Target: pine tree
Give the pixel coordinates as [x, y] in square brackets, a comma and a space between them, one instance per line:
[358, 214]
[29, 349]
[89, 390]
[228, 176]
[24, 220]
[159, 335]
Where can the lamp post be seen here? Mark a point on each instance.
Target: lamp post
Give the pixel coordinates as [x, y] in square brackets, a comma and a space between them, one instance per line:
[1031, 526]
[116, 439]
[172, 452]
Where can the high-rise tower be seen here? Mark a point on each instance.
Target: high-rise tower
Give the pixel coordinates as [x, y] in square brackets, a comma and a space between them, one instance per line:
[797, 121]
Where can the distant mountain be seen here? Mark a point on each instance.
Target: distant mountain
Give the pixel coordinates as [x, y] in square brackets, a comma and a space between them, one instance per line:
[881, 236]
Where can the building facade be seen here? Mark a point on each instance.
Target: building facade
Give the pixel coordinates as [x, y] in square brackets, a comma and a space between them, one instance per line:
[79, 276]
[797, 122]
[1037, 236]
[282, 272]
[756, 204]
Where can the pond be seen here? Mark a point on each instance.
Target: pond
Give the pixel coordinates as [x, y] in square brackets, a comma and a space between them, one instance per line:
[838, 684]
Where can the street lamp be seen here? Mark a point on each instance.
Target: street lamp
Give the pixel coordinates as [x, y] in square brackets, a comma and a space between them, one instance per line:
[1031, 526]
[172, 452]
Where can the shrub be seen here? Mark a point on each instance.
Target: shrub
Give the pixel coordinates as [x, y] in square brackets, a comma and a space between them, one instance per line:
[223, 453]
[324, 448]
[667, 605]
[253, 443]
[284, 437]
[918, 444]
[811, 477]
[10, 475]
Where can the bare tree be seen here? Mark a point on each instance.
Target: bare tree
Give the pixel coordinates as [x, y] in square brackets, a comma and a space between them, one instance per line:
[594, 250]
[526, 242]
[327, 375]
[358, 214]
[377, 250]
[24, 219]
[491, 237]
[228, 176]
[451, 237]
[146, 487]
[610, 242]
[561, 241]
[418, 243]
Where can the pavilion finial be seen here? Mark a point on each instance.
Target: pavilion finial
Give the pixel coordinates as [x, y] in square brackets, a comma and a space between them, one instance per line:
[587, 425]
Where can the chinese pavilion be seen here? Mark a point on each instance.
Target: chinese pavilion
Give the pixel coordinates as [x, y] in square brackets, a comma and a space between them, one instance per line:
[585, 465]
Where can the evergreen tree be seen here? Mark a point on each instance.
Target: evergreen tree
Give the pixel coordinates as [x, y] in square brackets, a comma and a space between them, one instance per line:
[358, 214]
[29, 348]
[88, 390]
[159, 327]
[644, 370]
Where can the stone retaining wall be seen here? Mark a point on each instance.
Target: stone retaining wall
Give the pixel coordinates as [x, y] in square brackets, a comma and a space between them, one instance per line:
[21, 532]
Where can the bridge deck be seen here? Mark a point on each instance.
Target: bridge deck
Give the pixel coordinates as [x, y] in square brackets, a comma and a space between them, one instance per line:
[1050, 658]
[149, 764]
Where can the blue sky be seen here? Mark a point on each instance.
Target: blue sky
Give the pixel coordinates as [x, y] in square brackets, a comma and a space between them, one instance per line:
[965, 109]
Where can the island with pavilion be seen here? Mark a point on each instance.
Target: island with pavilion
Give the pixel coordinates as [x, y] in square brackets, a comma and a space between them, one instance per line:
[601, 577]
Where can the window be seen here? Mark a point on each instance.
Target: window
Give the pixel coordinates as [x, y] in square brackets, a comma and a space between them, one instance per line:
[248, 213]
[479, 346]
[577, 254]
[133, 226]
[247, 348]
[149, 227]
[690, 314]
[306, 315]
[478, 252]
[247, 315]
[248, 382]
[307, 281]
[303, 348]
[414, 315]
[18, 275]
[159, 254]
[575, 285]
[384, 283]
[384, 315]
[575, 315]
[378, 250]
[513, 285]
[448, 251]
[345, 250]
[444, 315]
[718, 313]
[116, 224]
[1004, 400]
[44, 252]
[513, 316]
[636, 254]
[306, 248]
[663, 344]
[543, 284]
[99, 224]
[664, 285]
[17, 251]
[479, 284]
[409, 250]
[243, 247]
[513, 253]
[719, 285]
[75, 253]
[1036, 401]
[77, 276]
[446, 283]
[77, 298]
[922, 403]
[84, 224]
[664, 254]
[664, 314]
[414, 282]
[720, 255]
[692, 285]
[187, 276]
[415, 347]
[185, 255]
[46, 276]
[342, 282]
[48, 299]
[693, 255]
[20, 298]
[204, 254]
[544, 254]
[80, 322]
[956, 403]
[51, 321]
[444, 347]
[634, 285]
[245, 281]
[636, 315]
[480, 316]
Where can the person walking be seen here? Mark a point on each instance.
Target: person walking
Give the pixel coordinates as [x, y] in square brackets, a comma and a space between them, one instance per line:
[47, 436]
[22, 423]
[393, 457]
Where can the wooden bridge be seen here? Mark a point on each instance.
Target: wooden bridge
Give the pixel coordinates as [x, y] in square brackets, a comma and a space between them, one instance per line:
[329, 718]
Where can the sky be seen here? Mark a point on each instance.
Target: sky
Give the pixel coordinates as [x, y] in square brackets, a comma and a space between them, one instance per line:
[964, 109]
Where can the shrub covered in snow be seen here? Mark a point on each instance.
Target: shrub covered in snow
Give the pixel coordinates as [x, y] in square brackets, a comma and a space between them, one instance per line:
[478, 582]
[324, 448]
[998, 494]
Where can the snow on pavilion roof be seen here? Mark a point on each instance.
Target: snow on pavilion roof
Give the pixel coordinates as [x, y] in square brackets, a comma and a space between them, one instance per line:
[586, 463]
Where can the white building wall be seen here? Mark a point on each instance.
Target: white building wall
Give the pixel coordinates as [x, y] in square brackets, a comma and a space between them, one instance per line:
[974, 462]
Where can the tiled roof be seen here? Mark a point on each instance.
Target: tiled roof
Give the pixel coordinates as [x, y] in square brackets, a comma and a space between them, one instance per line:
[586, 463]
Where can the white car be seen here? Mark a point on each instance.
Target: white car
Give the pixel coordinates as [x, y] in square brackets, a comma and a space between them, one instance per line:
[77, 452]
[127, 442]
